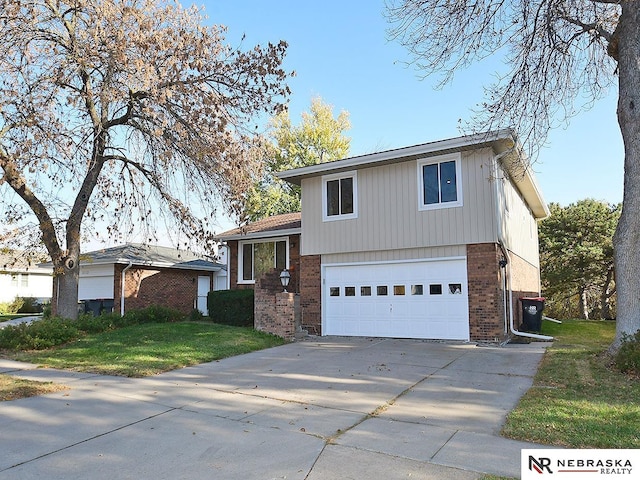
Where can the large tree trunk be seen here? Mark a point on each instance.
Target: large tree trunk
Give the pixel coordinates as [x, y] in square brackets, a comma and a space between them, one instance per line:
[65, 290]
[627, 237]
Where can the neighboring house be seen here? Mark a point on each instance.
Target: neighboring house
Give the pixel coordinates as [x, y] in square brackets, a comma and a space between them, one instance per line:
[21, 276]
[434, 241]
[152, 275]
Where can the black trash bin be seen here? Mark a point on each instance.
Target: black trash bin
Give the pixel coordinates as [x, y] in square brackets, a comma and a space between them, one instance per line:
[532, 308]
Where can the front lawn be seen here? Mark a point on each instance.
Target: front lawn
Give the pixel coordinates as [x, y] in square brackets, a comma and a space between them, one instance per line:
[149, 349]
[578, 400]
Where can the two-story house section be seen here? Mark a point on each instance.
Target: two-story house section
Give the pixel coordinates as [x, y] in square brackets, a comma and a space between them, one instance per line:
[433, 241]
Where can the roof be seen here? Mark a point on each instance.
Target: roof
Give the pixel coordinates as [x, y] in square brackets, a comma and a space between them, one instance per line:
[502, 141]
[276, 226]
[149, 255]
[17, 261]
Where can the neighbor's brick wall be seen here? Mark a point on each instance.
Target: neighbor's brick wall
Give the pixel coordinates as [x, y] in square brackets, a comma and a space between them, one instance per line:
[310, 294]
[177, 289]
[486, 314]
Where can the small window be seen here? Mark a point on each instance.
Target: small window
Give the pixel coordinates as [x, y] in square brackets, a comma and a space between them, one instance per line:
[349, 291]
[381, 290]
[339, 196]
[439, 182]
[259, 257]
[334, 291]
[365, 291]
[14, 280]
[398, 289]
[416, 290]
[435, 289]
[455, 288]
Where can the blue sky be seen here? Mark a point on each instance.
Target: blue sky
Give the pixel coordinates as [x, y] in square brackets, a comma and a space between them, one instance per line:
[340, 52]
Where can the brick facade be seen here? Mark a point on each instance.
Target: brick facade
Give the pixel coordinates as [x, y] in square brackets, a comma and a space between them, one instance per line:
[486, 280]
[172, 288]
[274, 309]
[311, 294]
[486, 307]
[525, 282]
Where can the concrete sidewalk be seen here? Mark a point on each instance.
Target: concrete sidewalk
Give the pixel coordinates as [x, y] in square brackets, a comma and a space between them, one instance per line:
[324, 408]
[20, 320]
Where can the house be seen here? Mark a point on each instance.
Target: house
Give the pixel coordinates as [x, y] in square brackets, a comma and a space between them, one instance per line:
[433, 241]
[21, 276]
[153, 275]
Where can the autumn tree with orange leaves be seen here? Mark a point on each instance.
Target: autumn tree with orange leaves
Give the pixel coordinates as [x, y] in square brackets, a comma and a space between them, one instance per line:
[124, 114]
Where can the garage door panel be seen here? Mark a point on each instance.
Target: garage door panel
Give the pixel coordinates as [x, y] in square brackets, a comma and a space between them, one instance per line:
[424, 299]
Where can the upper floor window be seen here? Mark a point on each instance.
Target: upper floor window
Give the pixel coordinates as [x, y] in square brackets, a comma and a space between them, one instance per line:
[439, 183]
[339, 195]
[257, 258]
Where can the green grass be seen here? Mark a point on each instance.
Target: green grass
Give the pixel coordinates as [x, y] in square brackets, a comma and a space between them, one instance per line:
[148, 349]
[578, 400]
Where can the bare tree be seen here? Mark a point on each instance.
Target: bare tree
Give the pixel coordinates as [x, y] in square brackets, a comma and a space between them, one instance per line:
[557, 52]
[117, 112]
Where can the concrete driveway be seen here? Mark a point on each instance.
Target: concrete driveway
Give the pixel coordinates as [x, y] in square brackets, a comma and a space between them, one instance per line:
[323, 408]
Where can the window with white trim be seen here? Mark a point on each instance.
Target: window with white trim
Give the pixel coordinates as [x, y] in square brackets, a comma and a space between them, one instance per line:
[258, 257]
[439, 182]
[339, 196]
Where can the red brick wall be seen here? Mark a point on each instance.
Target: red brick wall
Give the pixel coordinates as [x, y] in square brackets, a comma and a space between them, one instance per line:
[274, 310]
[310, 294]
[486, 313]
[486, 302]
[177, 289]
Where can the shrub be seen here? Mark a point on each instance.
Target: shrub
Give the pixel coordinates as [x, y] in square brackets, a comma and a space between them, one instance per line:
[231, 307]
[628, 357]
[196, 315]
[38, 335]
[11, 307]
[30, 305]
[49, 332]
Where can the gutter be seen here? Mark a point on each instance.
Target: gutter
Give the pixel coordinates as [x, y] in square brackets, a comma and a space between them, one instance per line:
[122, 282]
[507, 266]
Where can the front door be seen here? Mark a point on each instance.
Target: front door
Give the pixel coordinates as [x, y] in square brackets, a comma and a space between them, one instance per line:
[204, 285]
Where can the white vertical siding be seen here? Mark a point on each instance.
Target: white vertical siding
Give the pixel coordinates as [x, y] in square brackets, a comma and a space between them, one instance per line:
[520, 228]
[388, 214]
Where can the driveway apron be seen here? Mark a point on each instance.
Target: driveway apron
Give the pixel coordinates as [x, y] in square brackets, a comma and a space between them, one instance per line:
[323, 408]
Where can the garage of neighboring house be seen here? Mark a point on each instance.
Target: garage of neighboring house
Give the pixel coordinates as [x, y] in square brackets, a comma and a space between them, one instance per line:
[410, 299]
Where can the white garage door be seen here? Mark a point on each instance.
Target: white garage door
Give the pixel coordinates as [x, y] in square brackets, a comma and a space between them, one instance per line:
[418, 299]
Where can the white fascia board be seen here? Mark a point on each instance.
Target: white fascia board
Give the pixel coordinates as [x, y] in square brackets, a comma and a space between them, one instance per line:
[256, 235]
[398, 155]
[125, 261]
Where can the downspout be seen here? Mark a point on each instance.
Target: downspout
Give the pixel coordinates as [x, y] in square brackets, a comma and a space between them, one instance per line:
[122, 282]
[507, 265]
